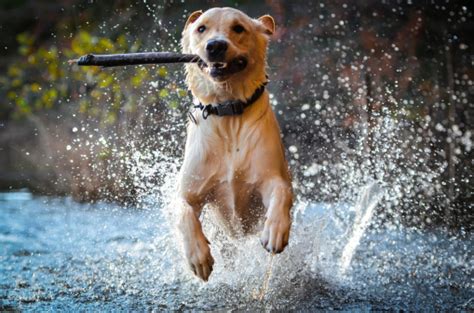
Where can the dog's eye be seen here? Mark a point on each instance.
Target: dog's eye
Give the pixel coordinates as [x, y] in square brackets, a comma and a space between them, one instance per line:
[201, 29]
[238, 29]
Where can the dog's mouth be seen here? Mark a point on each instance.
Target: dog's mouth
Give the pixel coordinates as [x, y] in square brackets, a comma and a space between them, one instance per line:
[222, 70]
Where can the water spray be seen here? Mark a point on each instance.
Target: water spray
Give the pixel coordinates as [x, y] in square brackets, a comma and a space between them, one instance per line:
[260, 295]
[368, 200]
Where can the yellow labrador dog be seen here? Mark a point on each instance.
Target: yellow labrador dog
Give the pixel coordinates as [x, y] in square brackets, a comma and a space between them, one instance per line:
[234, 158]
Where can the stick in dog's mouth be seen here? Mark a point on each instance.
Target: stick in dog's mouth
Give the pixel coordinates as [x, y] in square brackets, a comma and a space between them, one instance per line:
[224, 69]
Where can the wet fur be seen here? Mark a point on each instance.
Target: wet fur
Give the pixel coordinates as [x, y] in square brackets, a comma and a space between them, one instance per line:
[235, 164]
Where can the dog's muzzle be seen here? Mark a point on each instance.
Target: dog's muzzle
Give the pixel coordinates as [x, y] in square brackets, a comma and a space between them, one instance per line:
[216, 50]
[221, 69]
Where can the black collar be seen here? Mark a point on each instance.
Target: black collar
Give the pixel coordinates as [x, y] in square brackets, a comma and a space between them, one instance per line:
[231, 107]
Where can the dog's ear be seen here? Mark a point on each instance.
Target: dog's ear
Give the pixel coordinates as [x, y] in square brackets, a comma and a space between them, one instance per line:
[192, 18]
[268, 23]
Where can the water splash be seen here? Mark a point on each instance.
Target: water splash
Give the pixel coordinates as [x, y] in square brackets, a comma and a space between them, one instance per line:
[364, 208]
[106, 257]
[260, 295]
[332, 250]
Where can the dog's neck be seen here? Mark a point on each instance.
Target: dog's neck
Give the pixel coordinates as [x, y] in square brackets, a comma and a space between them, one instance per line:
[240, 87]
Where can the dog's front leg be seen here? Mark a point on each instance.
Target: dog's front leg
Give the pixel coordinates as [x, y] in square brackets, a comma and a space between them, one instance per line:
[196, 245]
[278, 199]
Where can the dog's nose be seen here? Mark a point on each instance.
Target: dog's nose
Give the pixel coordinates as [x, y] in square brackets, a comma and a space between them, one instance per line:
[216, 49]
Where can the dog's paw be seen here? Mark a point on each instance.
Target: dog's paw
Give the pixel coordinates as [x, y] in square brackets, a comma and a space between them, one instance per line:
[199, 257]
[275, 233]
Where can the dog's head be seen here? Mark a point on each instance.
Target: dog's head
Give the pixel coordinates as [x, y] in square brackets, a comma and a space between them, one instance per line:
[230, 43]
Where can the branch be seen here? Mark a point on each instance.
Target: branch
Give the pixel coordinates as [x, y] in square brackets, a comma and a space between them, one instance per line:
[109, 60]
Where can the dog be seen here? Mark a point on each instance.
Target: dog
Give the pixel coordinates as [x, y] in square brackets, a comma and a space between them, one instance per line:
[234, 158]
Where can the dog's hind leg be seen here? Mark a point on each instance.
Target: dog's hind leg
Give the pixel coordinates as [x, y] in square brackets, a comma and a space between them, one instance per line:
[196, 245]
[277, 198]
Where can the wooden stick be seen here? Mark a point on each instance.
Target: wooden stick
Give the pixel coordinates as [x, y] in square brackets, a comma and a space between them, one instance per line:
[109, 60]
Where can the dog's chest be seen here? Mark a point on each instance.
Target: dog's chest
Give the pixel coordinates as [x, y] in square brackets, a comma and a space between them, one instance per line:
[236, 190]
[238, 200]
[223, 154]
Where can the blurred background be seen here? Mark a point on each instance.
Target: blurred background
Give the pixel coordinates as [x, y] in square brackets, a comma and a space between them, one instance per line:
[365, 91]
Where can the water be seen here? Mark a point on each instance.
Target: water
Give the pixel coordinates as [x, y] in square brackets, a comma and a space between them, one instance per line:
[58, 254]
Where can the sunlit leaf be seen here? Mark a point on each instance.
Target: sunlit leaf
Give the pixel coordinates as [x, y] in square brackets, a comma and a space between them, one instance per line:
[164, 93]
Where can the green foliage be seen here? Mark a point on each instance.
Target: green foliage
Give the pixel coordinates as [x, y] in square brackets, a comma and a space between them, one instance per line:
[41, 79]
